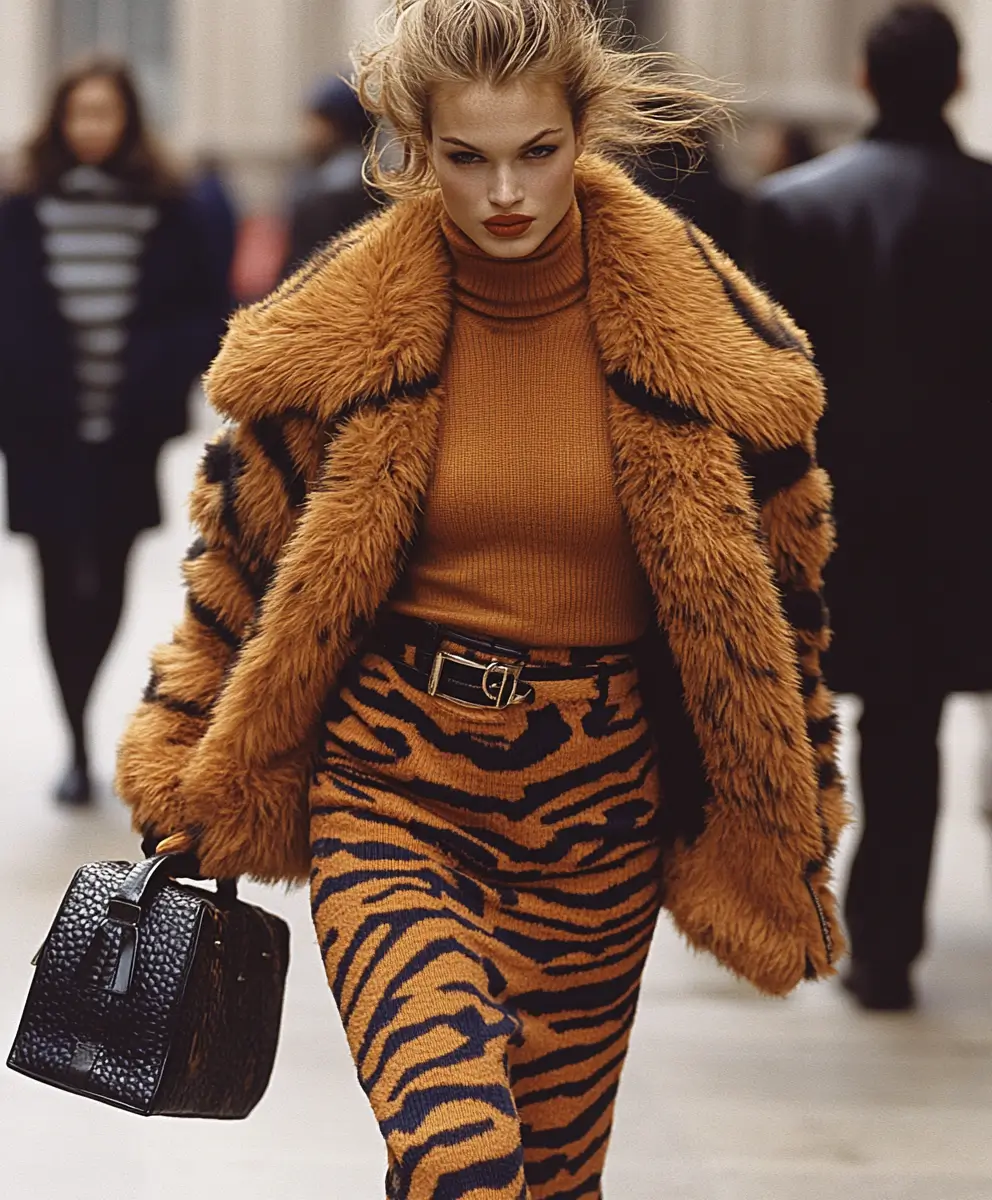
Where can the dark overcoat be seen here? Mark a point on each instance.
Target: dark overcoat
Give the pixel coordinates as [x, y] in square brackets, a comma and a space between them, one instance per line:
[882, 251]
[55, 486]
[309, 504]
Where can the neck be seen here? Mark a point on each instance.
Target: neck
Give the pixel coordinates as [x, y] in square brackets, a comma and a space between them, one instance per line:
[929, 128]
[550, 279]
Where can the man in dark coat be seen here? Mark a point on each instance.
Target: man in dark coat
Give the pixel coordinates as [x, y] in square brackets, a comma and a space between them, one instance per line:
[329, 194]
[882, 250]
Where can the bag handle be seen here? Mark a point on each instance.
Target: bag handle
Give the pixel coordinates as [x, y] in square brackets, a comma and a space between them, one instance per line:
[114, 949]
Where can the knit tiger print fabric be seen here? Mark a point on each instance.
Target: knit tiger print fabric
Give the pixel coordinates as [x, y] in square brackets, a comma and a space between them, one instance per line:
[485, 886]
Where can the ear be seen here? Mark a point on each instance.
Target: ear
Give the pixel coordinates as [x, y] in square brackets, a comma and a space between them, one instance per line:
[864, 83]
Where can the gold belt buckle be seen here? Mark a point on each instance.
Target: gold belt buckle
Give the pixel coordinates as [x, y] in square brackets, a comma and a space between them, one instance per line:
[499, 680]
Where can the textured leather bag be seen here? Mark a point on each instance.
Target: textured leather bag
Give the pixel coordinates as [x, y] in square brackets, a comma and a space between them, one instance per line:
[159, 997]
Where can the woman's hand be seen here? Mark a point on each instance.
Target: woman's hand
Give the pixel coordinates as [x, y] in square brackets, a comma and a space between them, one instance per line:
[176, 843]
[182, 843]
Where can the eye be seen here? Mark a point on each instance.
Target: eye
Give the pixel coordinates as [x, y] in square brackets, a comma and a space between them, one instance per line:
[544, 151]
[464, 158]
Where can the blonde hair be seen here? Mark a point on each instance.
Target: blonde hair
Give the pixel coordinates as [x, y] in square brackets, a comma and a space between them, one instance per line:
[623, 101]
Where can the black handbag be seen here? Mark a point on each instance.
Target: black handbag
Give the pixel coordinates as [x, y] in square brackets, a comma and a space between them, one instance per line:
[159, 997]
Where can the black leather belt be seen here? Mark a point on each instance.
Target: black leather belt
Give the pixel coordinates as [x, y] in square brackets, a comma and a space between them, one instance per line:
[489, 674]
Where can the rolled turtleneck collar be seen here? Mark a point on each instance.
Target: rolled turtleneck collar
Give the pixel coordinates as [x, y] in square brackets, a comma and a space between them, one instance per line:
[550, 279]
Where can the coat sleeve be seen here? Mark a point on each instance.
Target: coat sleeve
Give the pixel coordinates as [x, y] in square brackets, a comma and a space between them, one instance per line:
[250, 488]
[794, 496]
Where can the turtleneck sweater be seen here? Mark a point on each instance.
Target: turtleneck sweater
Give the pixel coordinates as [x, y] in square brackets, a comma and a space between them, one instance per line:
[523, 536]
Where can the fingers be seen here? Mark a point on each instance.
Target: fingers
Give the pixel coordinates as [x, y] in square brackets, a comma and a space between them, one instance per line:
[176, 843]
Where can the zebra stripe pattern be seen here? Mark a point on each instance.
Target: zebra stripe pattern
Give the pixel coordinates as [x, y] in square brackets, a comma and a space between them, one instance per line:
[485, 886]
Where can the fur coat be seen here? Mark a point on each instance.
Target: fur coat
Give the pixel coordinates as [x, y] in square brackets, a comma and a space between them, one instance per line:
[308, 503]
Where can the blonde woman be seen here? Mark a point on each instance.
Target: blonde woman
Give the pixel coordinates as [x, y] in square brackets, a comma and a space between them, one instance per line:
[504, 622]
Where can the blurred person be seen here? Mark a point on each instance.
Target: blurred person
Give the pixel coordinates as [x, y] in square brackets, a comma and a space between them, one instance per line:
[693, 183]
[211, 192]
[108, 312]
[329, 194]
[482, 484]
[789, 145]
[883, 250]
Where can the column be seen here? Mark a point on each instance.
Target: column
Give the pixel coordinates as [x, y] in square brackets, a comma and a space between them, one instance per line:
[23, 70]
[706, 32]
[358, 17]
[785, 57]
[237, 72]
[972, 114]
[243, 67]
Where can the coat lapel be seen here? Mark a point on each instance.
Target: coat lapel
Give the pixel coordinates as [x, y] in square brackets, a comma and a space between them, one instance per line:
[356, 339]
[675, 327]
[695, 531]
[695, 380]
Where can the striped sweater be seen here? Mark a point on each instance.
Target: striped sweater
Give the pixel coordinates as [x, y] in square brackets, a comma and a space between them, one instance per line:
[94, 237]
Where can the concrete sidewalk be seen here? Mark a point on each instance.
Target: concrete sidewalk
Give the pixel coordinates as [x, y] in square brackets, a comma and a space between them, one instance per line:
[726, 1096]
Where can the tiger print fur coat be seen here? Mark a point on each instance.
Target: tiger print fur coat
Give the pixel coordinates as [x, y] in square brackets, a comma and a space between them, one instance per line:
[307, 505]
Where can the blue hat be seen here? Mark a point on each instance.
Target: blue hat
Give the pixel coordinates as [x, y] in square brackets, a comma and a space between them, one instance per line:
[335, 100]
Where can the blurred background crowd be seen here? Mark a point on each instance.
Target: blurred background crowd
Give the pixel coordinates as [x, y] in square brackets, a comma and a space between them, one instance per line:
[164, 160]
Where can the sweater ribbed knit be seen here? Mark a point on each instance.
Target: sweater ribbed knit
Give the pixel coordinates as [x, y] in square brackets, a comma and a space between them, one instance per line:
[523, 535]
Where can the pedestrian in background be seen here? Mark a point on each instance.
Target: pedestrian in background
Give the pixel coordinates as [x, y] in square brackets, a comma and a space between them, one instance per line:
[214, 197]
[109, 310]
[693, 183]
[788, 145]
[329, 194]
[882, 250]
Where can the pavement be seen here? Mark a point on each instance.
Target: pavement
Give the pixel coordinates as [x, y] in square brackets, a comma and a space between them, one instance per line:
[726, 1096]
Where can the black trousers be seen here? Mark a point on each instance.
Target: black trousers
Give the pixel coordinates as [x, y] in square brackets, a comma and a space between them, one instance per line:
[83, 580]
[900, 780]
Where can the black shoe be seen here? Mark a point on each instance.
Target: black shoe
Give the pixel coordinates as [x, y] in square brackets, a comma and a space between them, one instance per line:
[74, 789]
[880, 989]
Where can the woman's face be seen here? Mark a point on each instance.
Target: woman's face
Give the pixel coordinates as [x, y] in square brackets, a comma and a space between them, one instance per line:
[505, 160]
[95, 120]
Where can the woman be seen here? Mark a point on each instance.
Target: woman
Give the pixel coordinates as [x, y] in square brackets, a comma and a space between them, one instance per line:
[504, 622]
[109, 311]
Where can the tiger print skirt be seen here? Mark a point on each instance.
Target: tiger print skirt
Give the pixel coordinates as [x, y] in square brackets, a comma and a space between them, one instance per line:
[485, 886]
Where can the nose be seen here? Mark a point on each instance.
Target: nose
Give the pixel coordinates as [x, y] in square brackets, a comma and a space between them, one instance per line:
[505, 189]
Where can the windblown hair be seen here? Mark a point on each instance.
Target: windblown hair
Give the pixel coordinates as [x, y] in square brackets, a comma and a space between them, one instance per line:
[137, 160]
[623, 101]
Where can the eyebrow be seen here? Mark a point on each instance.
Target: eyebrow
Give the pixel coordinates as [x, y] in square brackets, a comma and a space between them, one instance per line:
[526, 146]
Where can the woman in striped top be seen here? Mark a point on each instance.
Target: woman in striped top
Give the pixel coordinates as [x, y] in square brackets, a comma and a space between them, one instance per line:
[109, 310]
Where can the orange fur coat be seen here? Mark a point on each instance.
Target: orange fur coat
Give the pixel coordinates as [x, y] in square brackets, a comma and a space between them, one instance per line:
[307, 505]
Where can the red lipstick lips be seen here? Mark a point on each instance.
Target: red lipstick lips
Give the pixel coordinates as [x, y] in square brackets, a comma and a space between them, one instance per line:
[509, 225]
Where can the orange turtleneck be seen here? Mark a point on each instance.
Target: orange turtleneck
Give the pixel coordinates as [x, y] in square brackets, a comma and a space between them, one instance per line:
[523, 535]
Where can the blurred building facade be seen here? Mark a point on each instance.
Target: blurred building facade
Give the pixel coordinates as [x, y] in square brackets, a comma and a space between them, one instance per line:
[225, 77]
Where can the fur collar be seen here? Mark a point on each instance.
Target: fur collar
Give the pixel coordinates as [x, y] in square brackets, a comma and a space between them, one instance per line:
[370, 316]
[711, 423]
